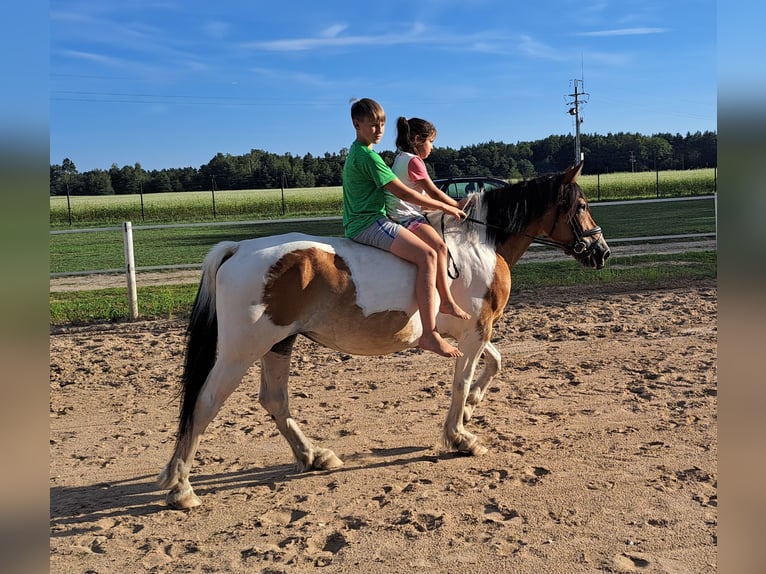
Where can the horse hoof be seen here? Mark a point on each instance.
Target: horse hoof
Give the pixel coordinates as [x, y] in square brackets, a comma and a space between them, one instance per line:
[467, 412]
[183, 500]
[325, 459]
[471, 446]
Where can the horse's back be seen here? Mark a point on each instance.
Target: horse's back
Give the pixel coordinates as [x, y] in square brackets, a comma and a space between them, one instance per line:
[379, 278]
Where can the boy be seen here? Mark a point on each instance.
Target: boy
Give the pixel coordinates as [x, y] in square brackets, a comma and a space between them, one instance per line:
[365, 176]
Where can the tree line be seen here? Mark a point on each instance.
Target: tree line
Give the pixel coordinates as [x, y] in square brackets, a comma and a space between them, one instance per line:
[258, 169]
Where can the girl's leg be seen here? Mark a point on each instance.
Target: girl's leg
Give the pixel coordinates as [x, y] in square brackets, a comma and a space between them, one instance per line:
[411, 248]
[448, 305]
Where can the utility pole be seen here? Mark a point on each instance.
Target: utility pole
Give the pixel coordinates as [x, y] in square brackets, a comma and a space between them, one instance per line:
[580, 97]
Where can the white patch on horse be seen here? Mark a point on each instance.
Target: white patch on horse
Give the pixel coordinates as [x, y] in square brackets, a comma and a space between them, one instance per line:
[381, 279]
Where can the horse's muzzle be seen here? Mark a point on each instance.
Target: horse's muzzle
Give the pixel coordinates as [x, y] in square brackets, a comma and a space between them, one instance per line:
[594, 255]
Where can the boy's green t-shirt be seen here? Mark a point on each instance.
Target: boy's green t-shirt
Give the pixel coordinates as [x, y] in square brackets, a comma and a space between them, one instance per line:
[365, 175]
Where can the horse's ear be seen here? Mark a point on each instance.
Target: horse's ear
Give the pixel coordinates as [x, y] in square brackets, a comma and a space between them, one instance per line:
[571, 174]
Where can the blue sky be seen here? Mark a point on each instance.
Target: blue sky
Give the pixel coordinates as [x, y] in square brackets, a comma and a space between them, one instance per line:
[170, 83]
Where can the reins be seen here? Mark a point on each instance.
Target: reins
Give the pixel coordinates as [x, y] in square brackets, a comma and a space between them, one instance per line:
[578, 246]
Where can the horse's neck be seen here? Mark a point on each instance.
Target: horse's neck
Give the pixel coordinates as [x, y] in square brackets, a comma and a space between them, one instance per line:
[513, 248]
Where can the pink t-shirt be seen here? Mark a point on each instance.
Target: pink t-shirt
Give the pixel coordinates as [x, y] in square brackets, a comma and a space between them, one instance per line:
[416, 170]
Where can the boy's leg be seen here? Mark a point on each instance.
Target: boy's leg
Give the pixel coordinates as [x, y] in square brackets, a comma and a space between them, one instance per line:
[411, 248]
[448, 305]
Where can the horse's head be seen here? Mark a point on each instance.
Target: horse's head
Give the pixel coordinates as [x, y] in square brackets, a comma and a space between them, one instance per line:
[549, 209]
[573, 227]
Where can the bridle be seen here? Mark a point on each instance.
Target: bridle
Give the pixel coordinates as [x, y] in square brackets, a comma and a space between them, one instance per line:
[578, 245]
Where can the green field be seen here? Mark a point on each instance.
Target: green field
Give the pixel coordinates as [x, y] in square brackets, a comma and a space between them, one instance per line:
[194, 206]
[648, 184]
[188, 207]
[73, 252]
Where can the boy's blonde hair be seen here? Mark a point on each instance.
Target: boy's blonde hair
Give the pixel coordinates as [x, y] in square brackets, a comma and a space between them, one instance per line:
[367, 108]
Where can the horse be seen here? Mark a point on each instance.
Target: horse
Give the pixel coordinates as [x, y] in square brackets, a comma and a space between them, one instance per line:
[256, 296]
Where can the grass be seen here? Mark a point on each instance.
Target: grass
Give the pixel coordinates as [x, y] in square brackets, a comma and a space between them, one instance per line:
[653, 268]
[175, 301]
[73, 252]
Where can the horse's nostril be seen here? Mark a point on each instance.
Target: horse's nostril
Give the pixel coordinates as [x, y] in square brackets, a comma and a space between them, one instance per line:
[607, 253]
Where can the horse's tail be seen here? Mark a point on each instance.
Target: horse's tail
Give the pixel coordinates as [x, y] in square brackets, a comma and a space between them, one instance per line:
[201, 337]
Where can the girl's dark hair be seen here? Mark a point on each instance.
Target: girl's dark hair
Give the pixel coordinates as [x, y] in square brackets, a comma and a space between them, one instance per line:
[411, 132]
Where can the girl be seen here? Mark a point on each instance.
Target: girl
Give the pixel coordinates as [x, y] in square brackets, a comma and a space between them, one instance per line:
[414, 142]
[366, 179]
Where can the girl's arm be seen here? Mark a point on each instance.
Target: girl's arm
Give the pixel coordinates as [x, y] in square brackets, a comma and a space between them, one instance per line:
[430, 188]
[402, 191]
[419, 174]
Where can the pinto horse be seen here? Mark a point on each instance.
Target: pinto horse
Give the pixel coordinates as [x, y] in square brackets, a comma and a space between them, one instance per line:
[256, 296]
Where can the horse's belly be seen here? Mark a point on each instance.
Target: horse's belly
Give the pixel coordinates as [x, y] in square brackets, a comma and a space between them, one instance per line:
[356, 334]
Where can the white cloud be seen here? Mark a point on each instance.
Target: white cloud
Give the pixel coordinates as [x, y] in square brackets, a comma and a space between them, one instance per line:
[91, 57]
[333, 31]
[216, 29]
[624, 32]
[532, 47]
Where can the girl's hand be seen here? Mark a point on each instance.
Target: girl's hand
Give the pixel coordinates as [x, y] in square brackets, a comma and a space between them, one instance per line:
[455, 212]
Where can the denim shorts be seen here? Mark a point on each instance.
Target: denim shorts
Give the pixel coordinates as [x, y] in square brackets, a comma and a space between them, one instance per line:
[380, 234]
[412, 223]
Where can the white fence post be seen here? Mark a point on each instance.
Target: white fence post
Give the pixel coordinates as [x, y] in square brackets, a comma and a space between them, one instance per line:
[130, 269]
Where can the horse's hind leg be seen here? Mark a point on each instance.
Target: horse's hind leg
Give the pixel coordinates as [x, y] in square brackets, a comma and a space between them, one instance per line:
[224, 377]
[492, 362]
[275, 369]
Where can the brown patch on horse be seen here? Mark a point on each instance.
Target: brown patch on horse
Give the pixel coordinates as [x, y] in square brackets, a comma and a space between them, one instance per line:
[314, 288]
[496, 298]
[301, 278]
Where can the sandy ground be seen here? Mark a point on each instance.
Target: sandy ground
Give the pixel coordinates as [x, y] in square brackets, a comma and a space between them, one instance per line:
[601, 428]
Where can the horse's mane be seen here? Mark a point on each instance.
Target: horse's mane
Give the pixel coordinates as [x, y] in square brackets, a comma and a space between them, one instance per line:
[511, 209]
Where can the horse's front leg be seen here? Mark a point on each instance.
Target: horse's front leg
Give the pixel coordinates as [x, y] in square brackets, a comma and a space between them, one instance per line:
[275, 370]
[492, 362]
[455, 435]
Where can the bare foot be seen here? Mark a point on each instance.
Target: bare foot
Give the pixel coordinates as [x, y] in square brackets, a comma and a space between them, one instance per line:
[453, 309]
[434, 342]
